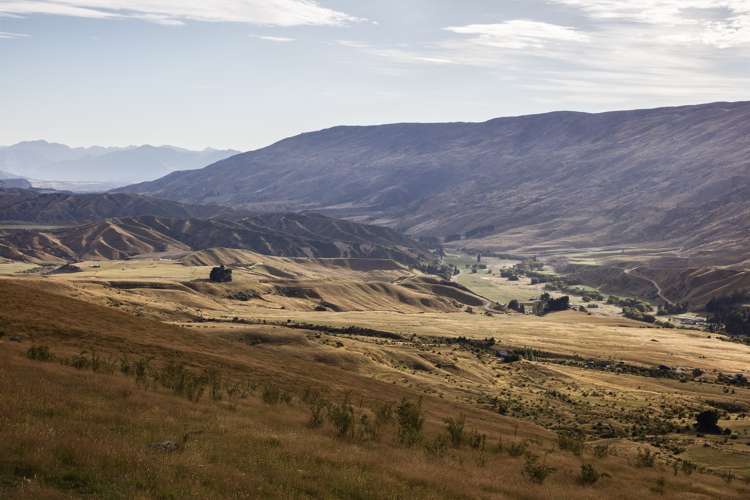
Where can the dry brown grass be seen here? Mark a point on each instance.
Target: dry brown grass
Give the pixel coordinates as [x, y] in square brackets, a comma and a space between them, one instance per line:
[76, 433]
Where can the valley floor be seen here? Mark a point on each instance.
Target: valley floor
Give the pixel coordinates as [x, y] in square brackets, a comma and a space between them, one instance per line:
[349, 337]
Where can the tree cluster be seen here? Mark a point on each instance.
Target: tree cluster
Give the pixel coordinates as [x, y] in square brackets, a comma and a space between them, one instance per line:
[221, 274]
[730, 313]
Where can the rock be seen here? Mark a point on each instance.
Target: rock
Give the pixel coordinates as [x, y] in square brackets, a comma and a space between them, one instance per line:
[15, 338]
[245, 295]
[67, 269]
[165, 446]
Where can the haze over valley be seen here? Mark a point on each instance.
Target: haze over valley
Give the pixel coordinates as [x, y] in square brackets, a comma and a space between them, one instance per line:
[97, 168]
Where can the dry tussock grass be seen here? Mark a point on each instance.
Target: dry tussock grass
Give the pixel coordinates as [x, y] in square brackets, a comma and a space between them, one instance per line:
[68, 432]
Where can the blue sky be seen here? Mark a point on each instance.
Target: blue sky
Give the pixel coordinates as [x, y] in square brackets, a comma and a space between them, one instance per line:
[245, 73]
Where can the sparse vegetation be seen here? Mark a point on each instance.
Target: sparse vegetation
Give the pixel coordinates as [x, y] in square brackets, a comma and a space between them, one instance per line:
[342, 418]
[455, 428]
[645, 458]
[410, 422]
[39, 353]
[589, 475]
[571, 441]
[362, 440]
[536, 471]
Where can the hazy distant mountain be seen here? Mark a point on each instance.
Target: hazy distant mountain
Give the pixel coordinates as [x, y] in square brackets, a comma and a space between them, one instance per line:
[44, 161]
[9, 180]
[8, 175]
[680, 175]
[14, 183]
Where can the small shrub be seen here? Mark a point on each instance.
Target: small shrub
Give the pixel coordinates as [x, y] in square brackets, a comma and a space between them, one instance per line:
[183, 382]
[688, 467]
[233, 391]
[141, 369]
[195, 388]
[271, 394]
[601, 450]
[455, 428]
[384, 414]
[342, 418]
[571, 442]
[285, 397]
[589, 475]
[311, 395]
[125, 365]
[317, 411]
[477, 440]
[437, 447]
[536, 471]
[213, 378]
[97, 364]
[80, 361]
[645, 458]
[410, 422]
[39, 353]
[366, 429]
[660, 486]
[728, 477]
[517, 448]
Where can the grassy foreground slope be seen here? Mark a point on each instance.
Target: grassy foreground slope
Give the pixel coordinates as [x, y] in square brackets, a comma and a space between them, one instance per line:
[74, 424]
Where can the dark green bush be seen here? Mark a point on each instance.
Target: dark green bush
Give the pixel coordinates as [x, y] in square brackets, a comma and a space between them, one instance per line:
[410, 422]
[455, 428]
[571, 442]
[589, 475]
[536, 471]
[645, 458]
[342, 418]
[39, 353]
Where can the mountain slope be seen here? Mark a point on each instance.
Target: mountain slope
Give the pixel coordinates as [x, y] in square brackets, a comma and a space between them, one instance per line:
[7, 175]
[8, 180]
[57, 162]
[23, 205]
[281, 235]
[608, 178]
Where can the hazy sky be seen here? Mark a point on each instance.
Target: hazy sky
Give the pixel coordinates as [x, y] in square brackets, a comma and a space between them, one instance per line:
[245, 73]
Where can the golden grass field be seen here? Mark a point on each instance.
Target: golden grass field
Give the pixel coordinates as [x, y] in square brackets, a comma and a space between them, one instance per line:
[84, 432]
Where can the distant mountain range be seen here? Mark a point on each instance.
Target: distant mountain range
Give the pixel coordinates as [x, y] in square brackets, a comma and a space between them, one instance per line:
[8, 180]
[33, 206]
[57, 166]
[678, 176]
[119, 226]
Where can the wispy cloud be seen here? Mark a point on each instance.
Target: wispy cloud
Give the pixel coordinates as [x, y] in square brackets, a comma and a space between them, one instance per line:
[8, 35]
[520, 34]
[395, 54]
[612, 62]
[172, 12]
[625, 51]
[276, 39]
[717, 23]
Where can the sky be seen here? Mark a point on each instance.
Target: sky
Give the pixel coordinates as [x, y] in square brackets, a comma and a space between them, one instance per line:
[243, 74]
